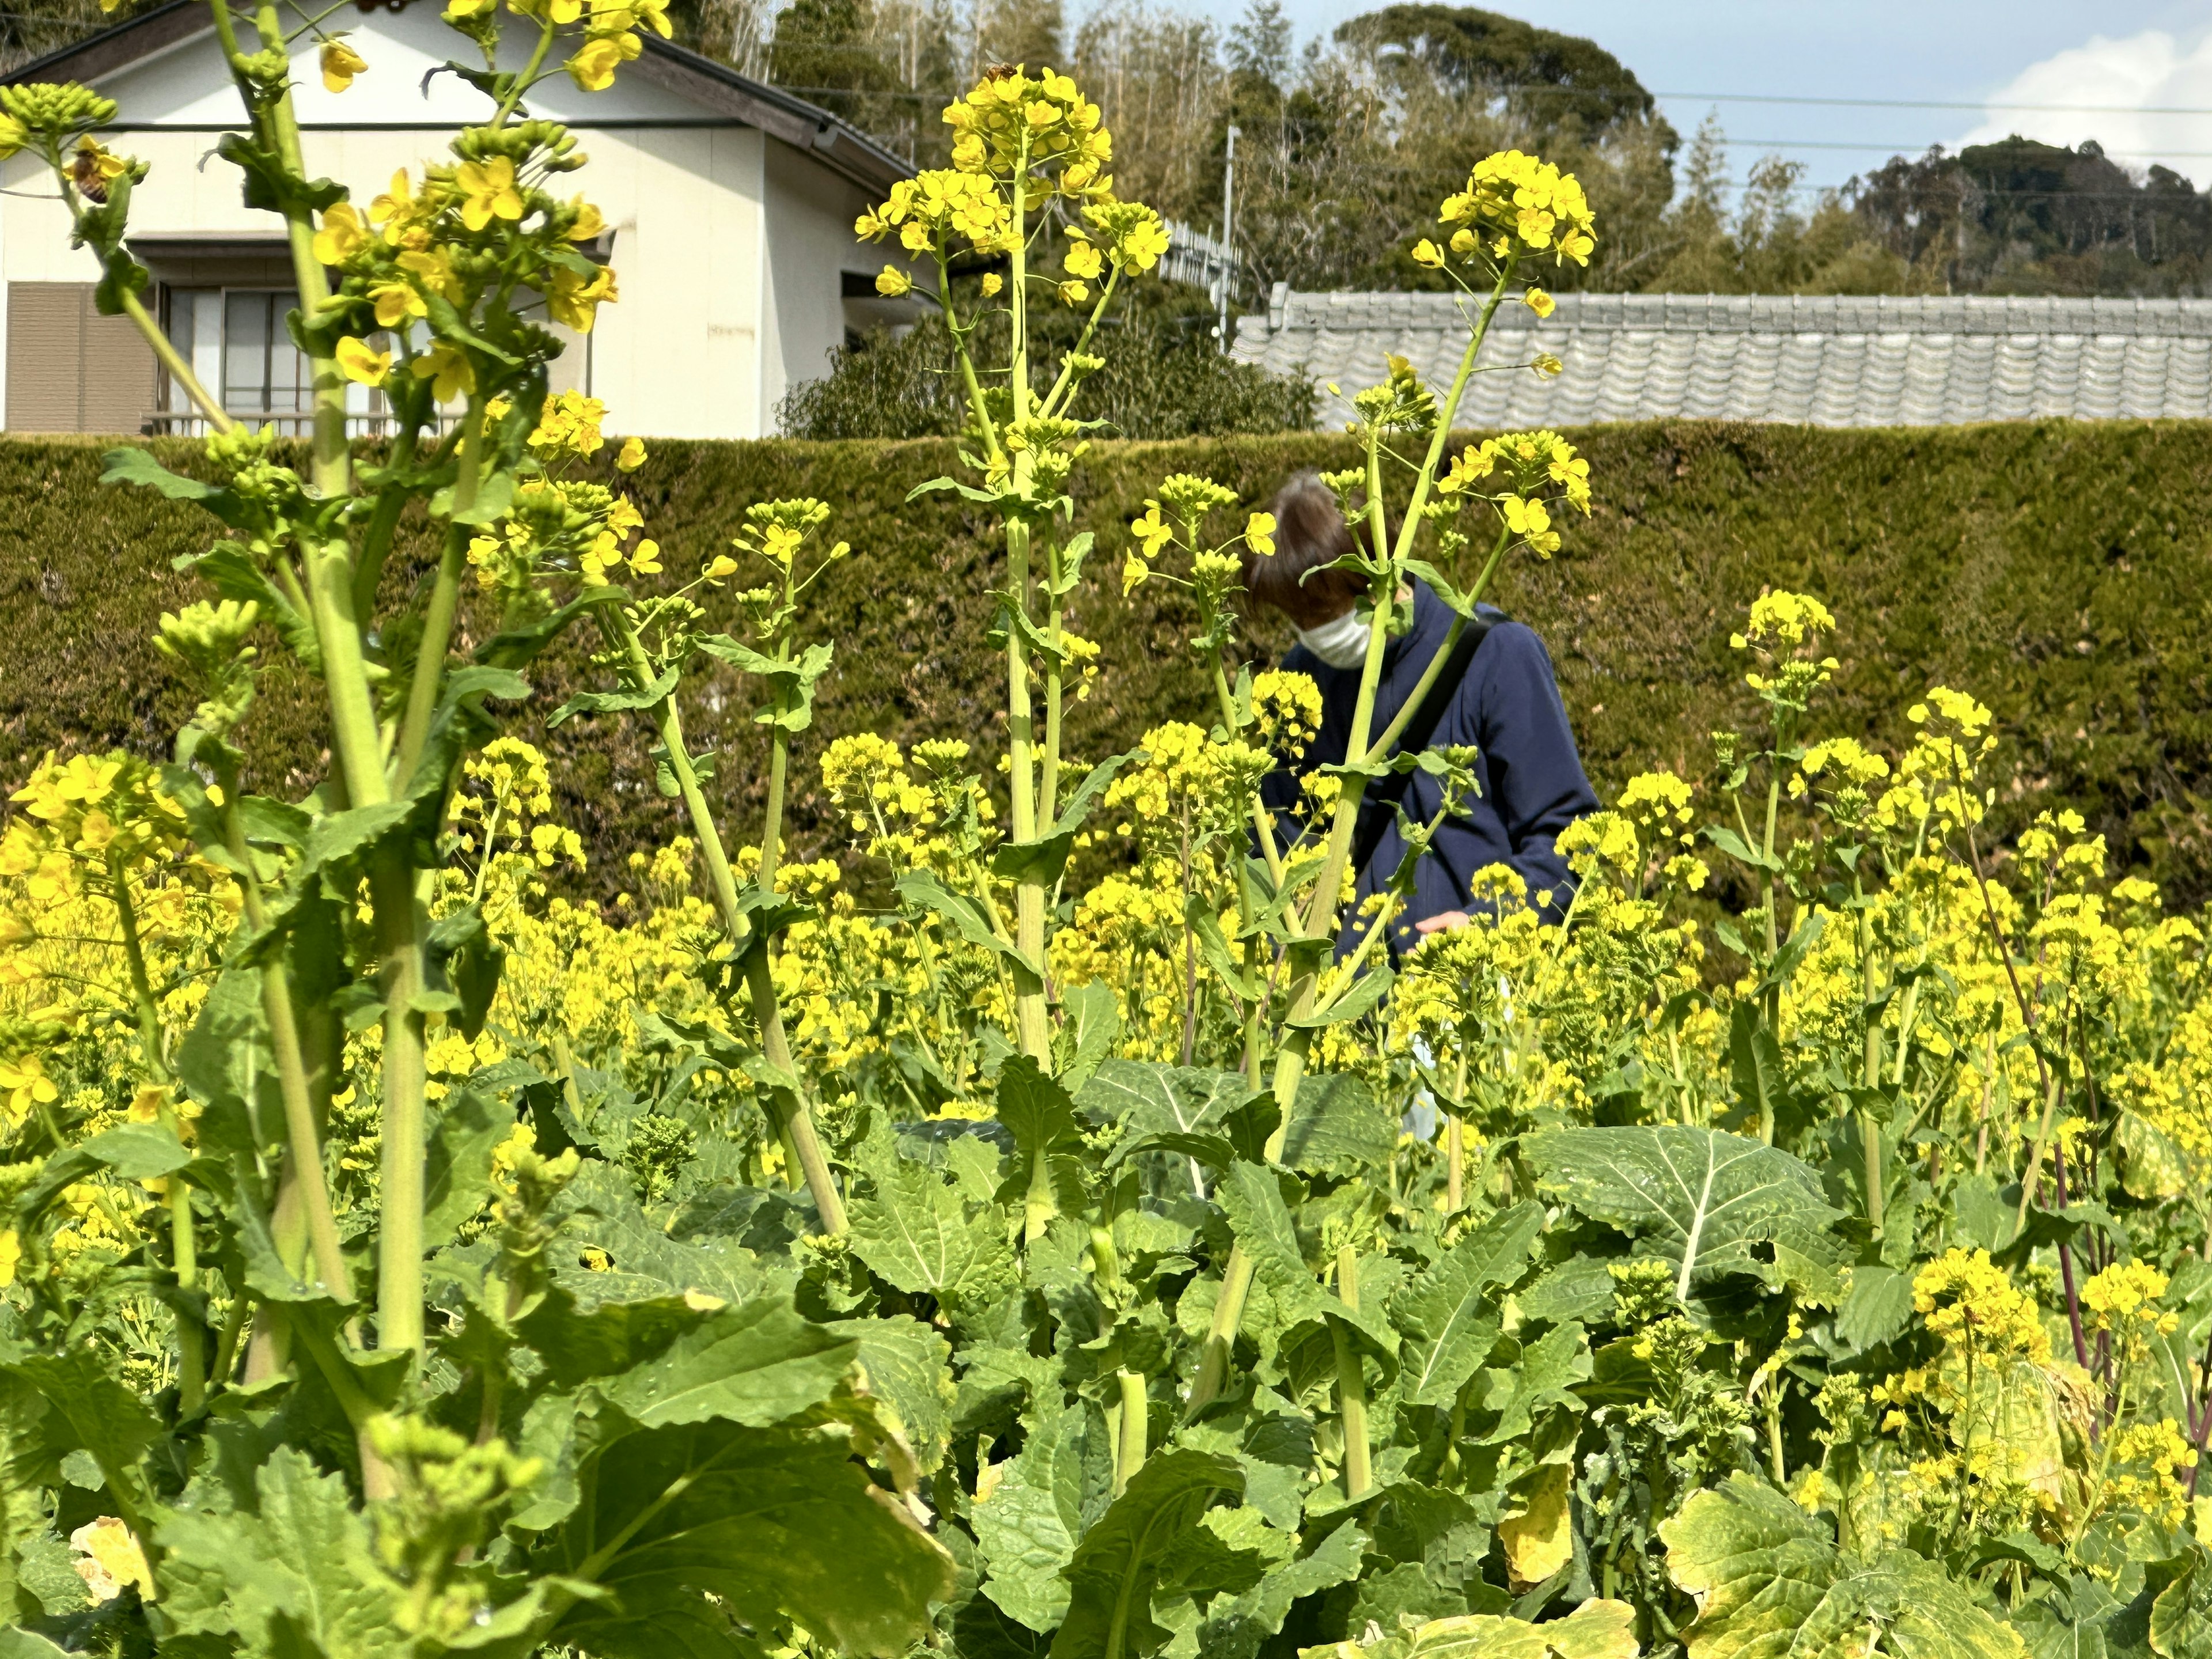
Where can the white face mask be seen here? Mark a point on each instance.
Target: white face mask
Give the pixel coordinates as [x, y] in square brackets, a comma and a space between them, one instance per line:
[1341, 643]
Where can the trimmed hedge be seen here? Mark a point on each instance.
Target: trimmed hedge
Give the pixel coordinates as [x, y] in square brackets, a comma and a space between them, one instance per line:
[2058, 571]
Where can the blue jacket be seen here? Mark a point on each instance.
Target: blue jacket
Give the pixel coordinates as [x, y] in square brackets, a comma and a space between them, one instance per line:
[1508, 706]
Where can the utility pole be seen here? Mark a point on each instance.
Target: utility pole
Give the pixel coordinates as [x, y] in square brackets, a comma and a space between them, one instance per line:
[1228, 235]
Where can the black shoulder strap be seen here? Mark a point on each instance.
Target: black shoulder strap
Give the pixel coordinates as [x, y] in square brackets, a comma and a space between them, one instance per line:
[1378, 809]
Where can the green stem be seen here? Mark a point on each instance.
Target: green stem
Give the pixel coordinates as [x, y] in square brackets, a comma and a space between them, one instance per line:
[1129, 1443]
[795, 1123]
[1350, 1380]
[225, 1350]
[191, 1343]
[1032, 1024]
[376, 540]
[305, 1150]
[1870, 1076]
[406, 1107]
[1320, 916]
[174, 362]
[278, 123]
[524, 81]
[445, 603]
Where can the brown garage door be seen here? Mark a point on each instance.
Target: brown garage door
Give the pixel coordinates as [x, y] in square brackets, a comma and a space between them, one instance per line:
[70, 369]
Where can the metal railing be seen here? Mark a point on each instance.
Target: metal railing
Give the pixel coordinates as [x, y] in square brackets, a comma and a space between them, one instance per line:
[288, 423]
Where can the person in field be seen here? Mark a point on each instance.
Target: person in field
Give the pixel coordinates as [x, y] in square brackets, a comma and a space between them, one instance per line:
[1496, 694]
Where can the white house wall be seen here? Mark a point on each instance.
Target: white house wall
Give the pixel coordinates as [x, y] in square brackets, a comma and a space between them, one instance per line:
[682, 355]
[813, 210]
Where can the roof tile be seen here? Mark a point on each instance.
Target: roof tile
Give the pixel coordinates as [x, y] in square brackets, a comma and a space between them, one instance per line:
[1828, 360]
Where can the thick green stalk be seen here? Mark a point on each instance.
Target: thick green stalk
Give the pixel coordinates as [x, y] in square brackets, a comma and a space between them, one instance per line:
[1048, 780]
[445, 603]
[1129, 1443]
[1032, 1022]
[304, 1150]
[406, 1105]
[1870, 1074]
[1350, 1380]
[376, 539]
[225, 1347]
[1455, 1147]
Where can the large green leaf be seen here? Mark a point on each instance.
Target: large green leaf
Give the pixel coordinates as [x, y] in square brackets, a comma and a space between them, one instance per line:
[1035, 1110]
[1714, 1204]
[1030, 1521]
[578, 1342]
[1262, 1223]
[1120, 1560]
[2181, 1617]
[457, 1165]
[1147, 1098]
[756, 1364]
[903, 1365]
[1238, 1627]
[89, 1408]
[768, 1523]
[1595, 1629]
[916, 1232]
[1768, 1581]
[1336, 1120]
[300, 1577]
[1445, 1316]
[1544, 1376]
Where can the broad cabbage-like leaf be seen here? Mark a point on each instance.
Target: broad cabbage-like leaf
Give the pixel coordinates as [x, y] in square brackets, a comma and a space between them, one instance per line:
[1595, 1629]
[1114, 1571]
[1446, 1316]
[299, 1577]
[1029, 1521]
[767, 1523]
[916, 1232]
[1335, 1122]
[754, 1364]
[1237, 1627]
[1715, 1205]
[2181, 1616]
[1770, 1581]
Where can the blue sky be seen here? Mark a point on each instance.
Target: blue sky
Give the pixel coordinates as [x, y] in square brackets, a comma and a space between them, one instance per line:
[2150, 55]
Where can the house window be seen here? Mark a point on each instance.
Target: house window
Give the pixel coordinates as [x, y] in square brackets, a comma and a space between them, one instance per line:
[239, 348]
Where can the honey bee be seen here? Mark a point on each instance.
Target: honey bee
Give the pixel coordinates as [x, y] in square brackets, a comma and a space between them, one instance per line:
[1000, 71]
[85, 173]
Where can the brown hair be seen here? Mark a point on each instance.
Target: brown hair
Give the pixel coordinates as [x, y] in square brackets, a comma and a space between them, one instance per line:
[1309, 534]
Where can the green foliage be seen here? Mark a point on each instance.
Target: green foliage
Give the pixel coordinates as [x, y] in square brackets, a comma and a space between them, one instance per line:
[2073, 612]
[1768, 1578]
[1166, 378]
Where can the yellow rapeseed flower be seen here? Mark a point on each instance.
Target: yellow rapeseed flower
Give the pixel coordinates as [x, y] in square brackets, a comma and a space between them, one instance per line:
[340, 63]
[359, 361]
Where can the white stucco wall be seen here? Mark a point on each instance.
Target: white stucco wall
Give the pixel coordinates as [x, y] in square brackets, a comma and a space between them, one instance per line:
[718, 248]
[812, 211]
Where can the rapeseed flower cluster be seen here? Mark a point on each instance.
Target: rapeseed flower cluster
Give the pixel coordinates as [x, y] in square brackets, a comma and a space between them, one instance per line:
[1514, 207]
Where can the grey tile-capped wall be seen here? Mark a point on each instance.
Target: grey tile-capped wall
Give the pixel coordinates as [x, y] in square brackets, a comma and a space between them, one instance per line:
[1826, 360]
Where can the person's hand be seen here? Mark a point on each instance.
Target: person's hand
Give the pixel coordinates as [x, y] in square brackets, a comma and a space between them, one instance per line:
[1443, 920]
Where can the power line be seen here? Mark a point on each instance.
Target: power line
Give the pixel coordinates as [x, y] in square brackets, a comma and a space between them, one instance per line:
[1921, 103]
[1823, 144]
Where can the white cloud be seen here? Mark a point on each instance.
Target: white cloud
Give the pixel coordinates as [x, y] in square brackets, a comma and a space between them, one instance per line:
[2144, 72]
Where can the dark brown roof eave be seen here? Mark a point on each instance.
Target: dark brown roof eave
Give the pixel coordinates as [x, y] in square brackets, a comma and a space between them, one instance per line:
[677, 68]
[802, 126]
[115, 48]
